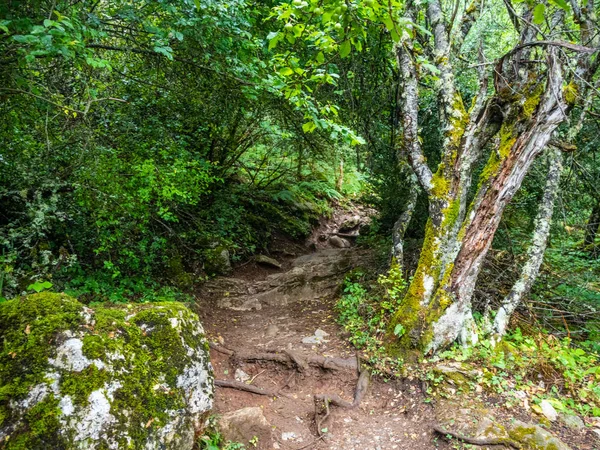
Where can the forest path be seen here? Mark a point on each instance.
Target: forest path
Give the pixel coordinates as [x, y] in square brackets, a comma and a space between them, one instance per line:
[290, 311]
[274, 329]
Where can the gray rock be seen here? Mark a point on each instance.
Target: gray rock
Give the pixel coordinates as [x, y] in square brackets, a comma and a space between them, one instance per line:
[105, 374]
[244, 425]
[289, 436]
[241, 376]
[271, 331]
[349, 223]
[548, 410]
[313, 276]
[339, 242]
[265, 260]
[535, 437]
[318, 338]
[572, 421]
[217, 261]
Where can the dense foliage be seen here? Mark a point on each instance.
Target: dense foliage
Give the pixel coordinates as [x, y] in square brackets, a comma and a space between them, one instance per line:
[140, 140]
[139, 136]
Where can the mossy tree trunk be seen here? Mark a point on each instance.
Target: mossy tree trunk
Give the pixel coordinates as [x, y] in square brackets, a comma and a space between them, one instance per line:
[513, 125]
[535, 252]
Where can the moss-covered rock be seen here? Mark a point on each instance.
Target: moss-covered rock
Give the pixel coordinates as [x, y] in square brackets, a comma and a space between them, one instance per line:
[534, 437]
[128, 377]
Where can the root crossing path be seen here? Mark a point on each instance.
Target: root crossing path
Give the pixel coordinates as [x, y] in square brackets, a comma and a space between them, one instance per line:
[286, 374]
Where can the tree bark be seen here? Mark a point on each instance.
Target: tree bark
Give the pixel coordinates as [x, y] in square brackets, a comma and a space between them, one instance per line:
[403, 221]
[536, 250]
[591, 228]
[529, 102]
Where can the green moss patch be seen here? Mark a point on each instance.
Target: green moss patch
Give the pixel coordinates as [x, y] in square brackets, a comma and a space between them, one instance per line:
[134, 369]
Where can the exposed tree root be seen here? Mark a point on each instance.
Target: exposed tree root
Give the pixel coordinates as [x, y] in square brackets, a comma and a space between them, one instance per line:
[220, 349]
[290, 358]
[332, 399]
[477, 441]
[321, 421]
[323, 362]
[359, 393]
[248, 388]
[301, 364]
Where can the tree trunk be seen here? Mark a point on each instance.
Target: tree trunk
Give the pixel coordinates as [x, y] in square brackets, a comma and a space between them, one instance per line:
[530, 101]
[403, 221]
[339, 184]
[535, 252]
[591, 229]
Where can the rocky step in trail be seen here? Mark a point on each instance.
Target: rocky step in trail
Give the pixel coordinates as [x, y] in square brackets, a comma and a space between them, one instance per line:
[287, 379]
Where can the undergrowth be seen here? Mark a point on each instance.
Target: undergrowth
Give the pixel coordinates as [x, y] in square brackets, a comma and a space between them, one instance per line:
[212, 439]
[365, 309]
[537, 367]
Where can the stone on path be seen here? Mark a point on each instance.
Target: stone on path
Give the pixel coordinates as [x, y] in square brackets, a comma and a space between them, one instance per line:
[535, 437]
[246, 425]
[317, 338]
[339, 242]
[271, 331]
[241, 376]
[572, 421]
[266, 261]
[548, 410]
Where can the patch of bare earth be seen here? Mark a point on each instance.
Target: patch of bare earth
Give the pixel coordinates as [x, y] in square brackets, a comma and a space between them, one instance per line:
[274, 331]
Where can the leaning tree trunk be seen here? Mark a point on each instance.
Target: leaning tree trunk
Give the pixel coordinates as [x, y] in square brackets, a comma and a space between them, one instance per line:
[529, 103]
[536, 250]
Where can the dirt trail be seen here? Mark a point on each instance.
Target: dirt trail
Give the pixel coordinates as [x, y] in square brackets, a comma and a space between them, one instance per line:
[261, 309]
[289, 311]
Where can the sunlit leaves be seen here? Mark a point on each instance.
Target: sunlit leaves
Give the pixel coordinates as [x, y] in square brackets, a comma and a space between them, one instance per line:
[165, 51]
[325, 30]
[560, 4]
[538, 13]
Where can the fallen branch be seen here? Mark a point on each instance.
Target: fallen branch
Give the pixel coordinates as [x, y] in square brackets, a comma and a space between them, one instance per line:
[477, 441]
[247, 388]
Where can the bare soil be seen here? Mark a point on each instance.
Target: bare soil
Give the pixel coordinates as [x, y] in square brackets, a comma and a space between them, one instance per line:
[395, 414]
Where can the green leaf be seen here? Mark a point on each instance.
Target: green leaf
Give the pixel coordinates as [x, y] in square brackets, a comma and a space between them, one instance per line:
[538, 13]
[345, 49]
[165, 50]
[274, 37]
[388, 22]
[309, 127]
[39, 286]
[286, 71]
[433, 69]
[399, 330]
[560, 3]
[320, 58]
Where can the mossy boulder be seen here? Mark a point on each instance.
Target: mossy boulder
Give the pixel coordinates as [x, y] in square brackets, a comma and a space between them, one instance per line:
[217, 260]
[108, 377]
[535, 437]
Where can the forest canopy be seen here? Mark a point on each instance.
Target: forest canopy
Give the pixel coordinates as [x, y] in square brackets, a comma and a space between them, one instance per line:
[145, 146]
